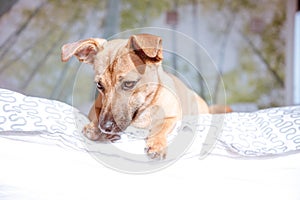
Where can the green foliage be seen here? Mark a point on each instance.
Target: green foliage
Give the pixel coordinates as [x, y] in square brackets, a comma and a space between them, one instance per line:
[260, 68]
[243, 84]
[229, 5]
[36, 47]
[140, 13]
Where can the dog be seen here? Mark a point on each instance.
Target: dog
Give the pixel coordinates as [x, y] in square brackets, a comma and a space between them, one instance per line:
[134, 90]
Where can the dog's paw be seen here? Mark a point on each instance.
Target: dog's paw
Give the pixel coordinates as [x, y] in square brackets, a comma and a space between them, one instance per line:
[91, 131]
[156, 148]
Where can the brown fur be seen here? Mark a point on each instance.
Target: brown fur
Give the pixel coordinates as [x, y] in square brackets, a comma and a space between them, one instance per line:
[157, 100]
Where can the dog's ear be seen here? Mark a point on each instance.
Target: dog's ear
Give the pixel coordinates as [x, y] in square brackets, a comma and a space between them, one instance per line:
[147, 47]
[84, 50]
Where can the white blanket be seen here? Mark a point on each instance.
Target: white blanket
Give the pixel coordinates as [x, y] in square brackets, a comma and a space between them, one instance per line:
[43, 155]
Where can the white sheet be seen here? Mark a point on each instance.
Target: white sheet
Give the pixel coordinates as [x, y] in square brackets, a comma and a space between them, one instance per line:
[47, 157]
[34, 171]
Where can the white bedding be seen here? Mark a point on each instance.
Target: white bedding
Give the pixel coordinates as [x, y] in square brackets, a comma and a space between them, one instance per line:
[238, 156]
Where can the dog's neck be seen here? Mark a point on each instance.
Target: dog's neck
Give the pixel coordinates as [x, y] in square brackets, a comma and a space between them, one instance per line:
[164, 78]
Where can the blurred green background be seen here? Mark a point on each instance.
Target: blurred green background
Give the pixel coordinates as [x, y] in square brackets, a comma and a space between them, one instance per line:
[241, 46]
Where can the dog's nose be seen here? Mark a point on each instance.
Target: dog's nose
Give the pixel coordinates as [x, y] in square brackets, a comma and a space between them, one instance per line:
[107, 126]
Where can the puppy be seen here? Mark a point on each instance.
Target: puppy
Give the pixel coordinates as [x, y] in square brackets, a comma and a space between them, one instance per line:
[133, 89]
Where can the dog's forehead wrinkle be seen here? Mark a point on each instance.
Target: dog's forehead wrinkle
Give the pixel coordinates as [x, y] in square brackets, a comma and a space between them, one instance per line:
[109, 56]
[112, 50]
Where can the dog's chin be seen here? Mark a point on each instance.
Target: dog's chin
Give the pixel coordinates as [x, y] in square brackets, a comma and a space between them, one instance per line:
[117, 130]
[123, 125]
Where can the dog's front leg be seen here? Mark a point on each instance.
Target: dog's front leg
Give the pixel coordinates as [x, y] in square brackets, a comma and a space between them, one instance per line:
[156, 143]
[91, 130]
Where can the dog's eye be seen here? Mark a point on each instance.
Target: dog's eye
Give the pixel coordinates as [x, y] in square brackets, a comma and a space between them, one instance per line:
[100, 86]
[127, 85]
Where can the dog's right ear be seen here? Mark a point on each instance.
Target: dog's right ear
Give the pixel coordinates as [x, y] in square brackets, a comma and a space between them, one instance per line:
[84, 50]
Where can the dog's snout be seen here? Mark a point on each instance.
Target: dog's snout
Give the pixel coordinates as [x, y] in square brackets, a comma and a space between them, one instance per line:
[107, 126]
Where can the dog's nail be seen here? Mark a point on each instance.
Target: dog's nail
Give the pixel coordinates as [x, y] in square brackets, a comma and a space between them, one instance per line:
[152, 155]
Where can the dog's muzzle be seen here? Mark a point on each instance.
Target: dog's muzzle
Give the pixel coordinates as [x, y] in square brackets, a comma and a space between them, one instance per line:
[108, 127]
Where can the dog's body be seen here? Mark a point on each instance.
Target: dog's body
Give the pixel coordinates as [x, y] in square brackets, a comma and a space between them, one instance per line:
[133, 89]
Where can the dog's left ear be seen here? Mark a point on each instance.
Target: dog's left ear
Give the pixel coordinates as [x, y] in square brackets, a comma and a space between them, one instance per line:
[147, 47]
[84, 50]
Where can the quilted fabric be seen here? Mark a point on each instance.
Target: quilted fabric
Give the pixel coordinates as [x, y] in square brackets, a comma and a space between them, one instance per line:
[273, 131]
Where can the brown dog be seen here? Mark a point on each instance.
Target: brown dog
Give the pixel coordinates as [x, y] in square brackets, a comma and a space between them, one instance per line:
[134, 89]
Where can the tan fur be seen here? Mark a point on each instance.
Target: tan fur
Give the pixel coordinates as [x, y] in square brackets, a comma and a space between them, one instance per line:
[157, 101]
[217, 109]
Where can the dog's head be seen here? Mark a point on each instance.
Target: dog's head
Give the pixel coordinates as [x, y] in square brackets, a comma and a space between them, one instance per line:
[125, 74]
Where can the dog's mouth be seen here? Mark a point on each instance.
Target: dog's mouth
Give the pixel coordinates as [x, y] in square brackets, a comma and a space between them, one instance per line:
[113, 131]
[109, 127]
[135, 114]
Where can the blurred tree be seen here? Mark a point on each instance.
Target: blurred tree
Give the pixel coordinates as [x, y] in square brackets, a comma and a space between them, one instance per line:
[30, 53]
[5, 6]
[7, 45]
[38, 36]
[111, 22]
[260, 25]
[140, 13]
